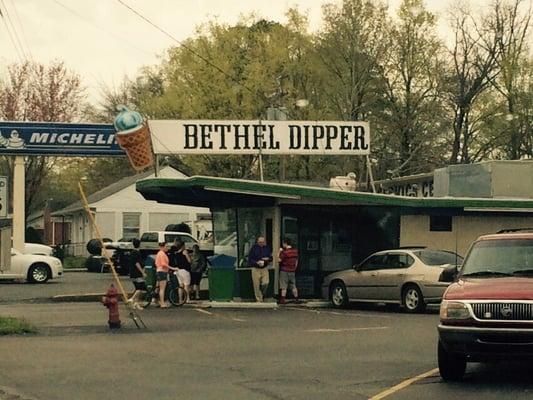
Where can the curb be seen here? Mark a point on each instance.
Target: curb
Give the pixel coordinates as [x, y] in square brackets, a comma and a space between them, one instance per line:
[74, 270]
[96, 297]
[232, 304]
[78, 298]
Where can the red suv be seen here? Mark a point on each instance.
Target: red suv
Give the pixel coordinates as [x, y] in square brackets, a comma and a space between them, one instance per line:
[487, 313]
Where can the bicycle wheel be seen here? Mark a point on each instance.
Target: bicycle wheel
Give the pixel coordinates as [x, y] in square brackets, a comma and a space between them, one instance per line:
[177, 296]
[148, 296]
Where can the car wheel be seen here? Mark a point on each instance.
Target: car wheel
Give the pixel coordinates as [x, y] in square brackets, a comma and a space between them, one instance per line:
[338, 295]
[452, 367]
[413, 300]
[39, 273]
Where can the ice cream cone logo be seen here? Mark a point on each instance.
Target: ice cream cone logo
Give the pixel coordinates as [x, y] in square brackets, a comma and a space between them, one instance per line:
[133, 136]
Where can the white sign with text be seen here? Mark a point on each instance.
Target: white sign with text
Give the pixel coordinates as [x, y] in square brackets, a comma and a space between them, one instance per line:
[269, 137]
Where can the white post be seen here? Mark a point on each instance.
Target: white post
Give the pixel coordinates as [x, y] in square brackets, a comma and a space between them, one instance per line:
[19, 216]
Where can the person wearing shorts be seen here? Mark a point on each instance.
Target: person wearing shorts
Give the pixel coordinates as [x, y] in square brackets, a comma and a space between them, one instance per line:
[288, 263]
[162, 268]
[137, 274]
[181, 261]
[198, 266]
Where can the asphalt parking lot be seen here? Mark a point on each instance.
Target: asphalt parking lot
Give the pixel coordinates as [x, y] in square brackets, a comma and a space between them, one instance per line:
[199, 353]
[70, 283]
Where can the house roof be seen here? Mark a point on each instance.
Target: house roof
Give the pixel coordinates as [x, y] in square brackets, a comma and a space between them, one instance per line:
[105, 192]
[210, 191]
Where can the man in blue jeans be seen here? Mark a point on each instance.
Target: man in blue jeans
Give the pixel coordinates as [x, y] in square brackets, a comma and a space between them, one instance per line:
[259, 258]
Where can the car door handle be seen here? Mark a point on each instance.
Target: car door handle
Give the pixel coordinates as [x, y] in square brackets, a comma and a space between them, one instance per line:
[374, 274]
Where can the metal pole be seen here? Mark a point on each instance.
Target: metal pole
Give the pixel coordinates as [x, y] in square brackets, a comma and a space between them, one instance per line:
[157, 172]
[370, 175]
[261, 177]
[19, 200]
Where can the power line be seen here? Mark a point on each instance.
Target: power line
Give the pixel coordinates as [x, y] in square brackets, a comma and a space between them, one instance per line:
[5, 15]
[24, 38]
[207, 61]
[14, 31]
[88, 21]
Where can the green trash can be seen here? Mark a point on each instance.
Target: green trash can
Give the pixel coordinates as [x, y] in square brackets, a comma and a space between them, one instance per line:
[149, 269]
[221, 275]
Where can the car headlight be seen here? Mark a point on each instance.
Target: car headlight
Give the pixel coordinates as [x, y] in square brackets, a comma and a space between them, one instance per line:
[453, 310]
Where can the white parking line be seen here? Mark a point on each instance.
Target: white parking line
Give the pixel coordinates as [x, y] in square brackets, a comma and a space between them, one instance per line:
[404, 384]
[200, 310]
[329, 330]
[348, 314]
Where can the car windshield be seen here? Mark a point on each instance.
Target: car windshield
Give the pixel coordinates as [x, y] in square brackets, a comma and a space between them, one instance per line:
[438, 257]
[499, 257]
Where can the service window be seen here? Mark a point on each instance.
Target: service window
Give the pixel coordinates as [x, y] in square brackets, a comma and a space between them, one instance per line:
[131, 225]
[440, 223]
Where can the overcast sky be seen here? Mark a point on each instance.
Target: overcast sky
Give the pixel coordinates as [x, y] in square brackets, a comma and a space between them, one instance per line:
[103, 41]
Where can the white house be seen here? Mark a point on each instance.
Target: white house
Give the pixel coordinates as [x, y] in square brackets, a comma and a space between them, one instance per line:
[121, 212]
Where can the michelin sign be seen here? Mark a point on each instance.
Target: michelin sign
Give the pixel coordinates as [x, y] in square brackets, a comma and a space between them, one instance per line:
[41, 138]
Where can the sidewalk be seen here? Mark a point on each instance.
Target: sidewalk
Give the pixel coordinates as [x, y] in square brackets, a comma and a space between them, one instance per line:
[96, 297]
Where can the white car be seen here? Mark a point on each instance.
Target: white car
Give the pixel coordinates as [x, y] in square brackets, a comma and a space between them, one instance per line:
[34, 268]
[37, 248]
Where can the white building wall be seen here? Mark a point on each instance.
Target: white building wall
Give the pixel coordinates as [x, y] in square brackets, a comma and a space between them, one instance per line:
[414, 230]
[109, 213]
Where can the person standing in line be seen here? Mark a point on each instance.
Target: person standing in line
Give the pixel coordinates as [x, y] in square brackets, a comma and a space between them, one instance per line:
[259, 258]
[198, 266]
[137, 274]
[181, 260]
[288, 263]
[162, 267]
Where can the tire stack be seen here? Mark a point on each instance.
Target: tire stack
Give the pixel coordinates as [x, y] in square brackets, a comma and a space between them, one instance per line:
[95, 262]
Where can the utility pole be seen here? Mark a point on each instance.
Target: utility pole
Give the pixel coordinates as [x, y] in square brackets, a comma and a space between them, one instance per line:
[279, 113]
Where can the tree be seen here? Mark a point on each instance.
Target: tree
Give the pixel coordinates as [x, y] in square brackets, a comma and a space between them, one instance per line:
[412, 84]
[349, 49]
[35, 92]
[474, 65]
[512, 27]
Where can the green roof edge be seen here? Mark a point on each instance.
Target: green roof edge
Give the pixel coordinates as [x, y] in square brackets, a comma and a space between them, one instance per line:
[331, 194]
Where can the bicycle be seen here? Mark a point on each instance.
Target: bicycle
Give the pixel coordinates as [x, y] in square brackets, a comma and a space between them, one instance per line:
[174, 292]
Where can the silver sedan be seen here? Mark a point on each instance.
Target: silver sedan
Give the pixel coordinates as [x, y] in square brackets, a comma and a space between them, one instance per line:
[407, 276]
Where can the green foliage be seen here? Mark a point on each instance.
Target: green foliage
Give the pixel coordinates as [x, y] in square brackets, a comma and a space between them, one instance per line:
[74, 262]
[427, 104]
[15, 326]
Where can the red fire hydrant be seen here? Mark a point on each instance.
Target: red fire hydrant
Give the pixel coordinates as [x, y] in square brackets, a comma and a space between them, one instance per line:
[111, 302]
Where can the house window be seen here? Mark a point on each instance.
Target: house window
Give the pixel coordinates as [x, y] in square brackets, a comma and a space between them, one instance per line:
[131, 225]
[440, 223]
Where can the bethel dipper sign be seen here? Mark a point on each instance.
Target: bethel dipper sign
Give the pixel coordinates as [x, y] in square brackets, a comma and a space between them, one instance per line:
[269, 137]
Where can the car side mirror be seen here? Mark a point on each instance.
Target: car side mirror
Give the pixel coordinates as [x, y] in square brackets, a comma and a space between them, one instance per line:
[448, 274]
[357, 267]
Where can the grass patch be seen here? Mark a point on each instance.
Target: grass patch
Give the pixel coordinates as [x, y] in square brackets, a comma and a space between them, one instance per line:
[74, 262]
[14, 326]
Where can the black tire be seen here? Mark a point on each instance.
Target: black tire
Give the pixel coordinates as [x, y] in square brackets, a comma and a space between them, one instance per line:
[177, 296]
[147, 300]
[338, 295]
[452, 367]
[94, 247]
[413, 300]
[39, 273]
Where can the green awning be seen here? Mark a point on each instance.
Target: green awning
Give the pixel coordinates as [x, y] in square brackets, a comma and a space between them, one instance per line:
[204, 191]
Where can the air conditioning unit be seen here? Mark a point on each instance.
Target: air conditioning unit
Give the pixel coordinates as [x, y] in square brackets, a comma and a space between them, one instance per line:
[344, 182]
